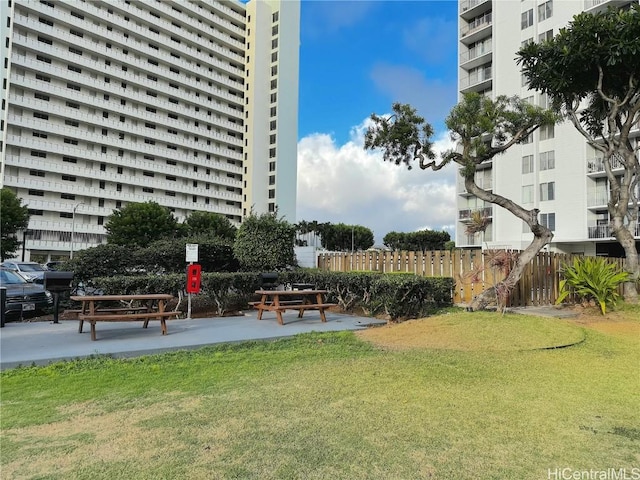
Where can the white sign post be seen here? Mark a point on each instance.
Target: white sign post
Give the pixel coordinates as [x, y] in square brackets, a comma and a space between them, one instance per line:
[191, 256]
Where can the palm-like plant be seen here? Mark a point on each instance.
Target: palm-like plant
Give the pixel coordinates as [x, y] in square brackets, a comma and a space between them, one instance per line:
[592, 278]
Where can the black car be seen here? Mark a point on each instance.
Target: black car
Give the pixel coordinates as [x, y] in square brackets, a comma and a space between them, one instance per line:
[24, 298]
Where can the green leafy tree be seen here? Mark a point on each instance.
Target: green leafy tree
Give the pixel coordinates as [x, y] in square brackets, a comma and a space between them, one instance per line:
[210, 224]
[420, 241]
[591, 72]
[140, 224]
[13, 217]
[265, 242]
[483, 128]
[344, 238]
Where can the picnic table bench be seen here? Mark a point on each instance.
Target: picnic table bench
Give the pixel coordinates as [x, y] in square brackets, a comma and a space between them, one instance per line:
[279, 301]
[153, 309]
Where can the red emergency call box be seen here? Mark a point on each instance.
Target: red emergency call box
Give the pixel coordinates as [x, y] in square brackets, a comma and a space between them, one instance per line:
[193, 278]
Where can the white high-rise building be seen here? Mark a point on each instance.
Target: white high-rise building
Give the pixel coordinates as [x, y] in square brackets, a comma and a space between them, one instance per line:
[556, 172]
[191, 104]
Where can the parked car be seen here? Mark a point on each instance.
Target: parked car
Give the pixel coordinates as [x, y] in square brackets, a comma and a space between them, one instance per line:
[32, 271]
[24, 298]
[55, 265]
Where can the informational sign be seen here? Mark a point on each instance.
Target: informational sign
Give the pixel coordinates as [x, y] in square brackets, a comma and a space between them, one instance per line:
[192, 252]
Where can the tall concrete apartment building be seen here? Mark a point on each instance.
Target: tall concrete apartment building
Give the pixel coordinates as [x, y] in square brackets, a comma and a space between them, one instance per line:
[556, 172]
[192, 104]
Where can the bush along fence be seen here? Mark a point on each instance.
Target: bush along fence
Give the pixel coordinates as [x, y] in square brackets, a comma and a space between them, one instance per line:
[397, 296]
[472, 270]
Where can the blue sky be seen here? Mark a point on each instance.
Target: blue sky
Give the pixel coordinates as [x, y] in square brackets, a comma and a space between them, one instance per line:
[356, 58]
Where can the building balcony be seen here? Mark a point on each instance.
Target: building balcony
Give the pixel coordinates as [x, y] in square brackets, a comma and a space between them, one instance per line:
[478, 28]
[478, 81]
[596, 165]
[472, 8]
[605, 232]
[594, 6]
[486, 183]
[475, 57]
[466, 215]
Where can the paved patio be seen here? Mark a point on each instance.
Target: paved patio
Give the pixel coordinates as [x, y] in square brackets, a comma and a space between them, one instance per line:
[24, 343]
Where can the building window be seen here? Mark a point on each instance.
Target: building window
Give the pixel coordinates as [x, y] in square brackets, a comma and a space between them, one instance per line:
[545, 10]
[36, 173]
[526, 19]
[272, 153]
[73, 68]
[527, 194]
[72, 123]
[75, 50]
[118, 187]
[67, 196]
[547, 160]
[44, 78]
[44, 59]
[547, 191]
[548, 220]
[147, 173]
[73, 87]
[272, 179]
[147, 190]
[70, 159]
[272, 193]
[66, 215]
[46, 40]
[36, 193]
[73, 105]
[38, 153]
[527, 164]
[69, 178]
[71, 141]
[543, 37]
[101, 202]
[547, 132]
[169, 193]
[102, 184]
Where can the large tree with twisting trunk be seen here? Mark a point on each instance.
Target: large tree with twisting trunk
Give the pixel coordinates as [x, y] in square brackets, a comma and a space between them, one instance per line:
[591, 72]
[483, 129]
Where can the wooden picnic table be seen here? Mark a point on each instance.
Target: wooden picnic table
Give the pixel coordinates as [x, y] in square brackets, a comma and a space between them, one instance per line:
[281, 300]
[142, 307]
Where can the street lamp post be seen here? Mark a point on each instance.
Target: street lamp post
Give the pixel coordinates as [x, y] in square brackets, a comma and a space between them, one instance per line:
[73, 228]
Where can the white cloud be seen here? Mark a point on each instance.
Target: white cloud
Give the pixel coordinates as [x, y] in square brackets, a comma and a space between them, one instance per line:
[345, 183]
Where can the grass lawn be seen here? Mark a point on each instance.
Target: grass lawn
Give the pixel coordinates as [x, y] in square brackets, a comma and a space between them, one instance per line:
[481, 399]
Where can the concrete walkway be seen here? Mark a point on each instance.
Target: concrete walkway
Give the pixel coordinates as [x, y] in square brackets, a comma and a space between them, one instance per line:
[26, 343]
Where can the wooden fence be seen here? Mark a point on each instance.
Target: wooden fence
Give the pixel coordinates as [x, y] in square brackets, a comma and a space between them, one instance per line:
[473, 270]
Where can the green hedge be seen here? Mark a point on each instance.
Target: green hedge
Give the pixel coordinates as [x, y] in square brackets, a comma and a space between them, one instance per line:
[398, 296]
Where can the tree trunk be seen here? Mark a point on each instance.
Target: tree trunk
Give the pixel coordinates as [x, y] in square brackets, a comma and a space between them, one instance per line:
[628, 243]
[541, 237]
[506, 286]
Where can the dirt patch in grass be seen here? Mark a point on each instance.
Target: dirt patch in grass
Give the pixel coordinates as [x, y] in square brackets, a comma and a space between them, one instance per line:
[94, 436]
[499, 332]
